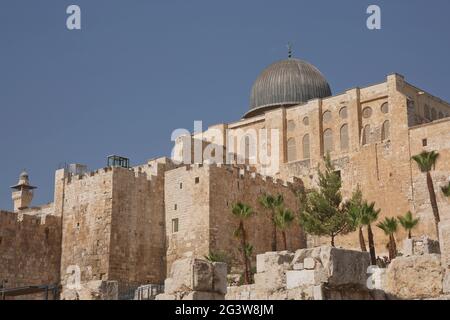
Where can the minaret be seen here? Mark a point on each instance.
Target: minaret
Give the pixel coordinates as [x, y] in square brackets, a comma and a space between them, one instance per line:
[22, 193]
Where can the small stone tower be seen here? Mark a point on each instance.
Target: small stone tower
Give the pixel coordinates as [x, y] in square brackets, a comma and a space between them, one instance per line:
[22, 192]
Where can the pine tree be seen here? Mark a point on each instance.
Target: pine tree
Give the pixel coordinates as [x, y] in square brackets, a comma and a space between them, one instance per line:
[323, 214]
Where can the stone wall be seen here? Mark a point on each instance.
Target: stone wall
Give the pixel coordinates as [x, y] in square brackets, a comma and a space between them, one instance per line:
[381, 165]
[321, 273]
[200, 199]
[30, 249]
[113, 225]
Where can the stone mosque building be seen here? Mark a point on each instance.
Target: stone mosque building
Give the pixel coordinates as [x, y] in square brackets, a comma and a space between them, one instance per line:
[130, 223]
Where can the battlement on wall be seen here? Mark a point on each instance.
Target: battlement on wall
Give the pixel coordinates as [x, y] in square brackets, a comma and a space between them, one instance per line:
[245, 172]
[9, 218]
[151, 170]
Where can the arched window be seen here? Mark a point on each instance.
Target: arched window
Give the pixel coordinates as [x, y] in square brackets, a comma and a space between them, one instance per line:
[426, 112]
[247, 152]
[441, 115]
[291, 150]
[386, 131]
[343, 113]
[366, 135]
[344, 137]
[433, 114]
[327, 141]
[327, 116]
[306, 153]
[367, 112]
[291, 125]
[306, 121]
[385, 108]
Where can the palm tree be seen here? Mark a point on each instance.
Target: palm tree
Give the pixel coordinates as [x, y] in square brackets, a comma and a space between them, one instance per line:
[283, 220]
[243, 212]
[272, 203]
[368, 216]
[408, 222]
[426, 161]
[389, 226]
[355, 213]
[446, 190]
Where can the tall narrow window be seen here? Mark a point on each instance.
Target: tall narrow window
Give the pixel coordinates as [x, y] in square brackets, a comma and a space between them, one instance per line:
[427, 112]
[290, 125]
[291, 150]
[327, 141]
[433, 114]
[306, 152]
[343, 113]
[366, 135]
[327, 116]
[175, 225]
[344, 137]
[386, 131]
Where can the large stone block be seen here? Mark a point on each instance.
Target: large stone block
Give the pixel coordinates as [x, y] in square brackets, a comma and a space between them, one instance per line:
[220, 277]
[444, 240]
[202, 275]
[295, 279]
[446, 282]
[192, 274]
[414, 277]
[420, 246]
[275, 265]
[337, 266]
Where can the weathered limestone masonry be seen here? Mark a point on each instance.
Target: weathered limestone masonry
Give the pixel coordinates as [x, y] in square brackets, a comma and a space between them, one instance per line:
[371, 134]
[30, 249]
[113, 225]
[199, 220]
[195, 279]
[321, 273]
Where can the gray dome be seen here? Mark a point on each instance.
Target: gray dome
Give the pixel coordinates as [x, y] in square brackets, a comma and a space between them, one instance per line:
[286, 83]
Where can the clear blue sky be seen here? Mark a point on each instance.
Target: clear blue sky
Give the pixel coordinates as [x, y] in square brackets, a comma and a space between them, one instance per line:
[140, 69]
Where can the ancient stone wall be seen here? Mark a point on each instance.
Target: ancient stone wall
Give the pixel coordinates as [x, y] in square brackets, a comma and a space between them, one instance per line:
[113, 225]
[86, 210]
[431, 137]
[30, 249]
[371, 138]
[199, 201]
[137, 229]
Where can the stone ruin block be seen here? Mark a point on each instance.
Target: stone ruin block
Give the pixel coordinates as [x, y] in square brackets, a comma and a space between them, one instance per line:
[220, 282]
[444, 240]
[195, 279]
[92, 290]
[271, 268]
[148, 292]
[420, 246]
[333, 266]
[295, 279]
[415, 277]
